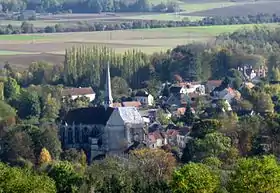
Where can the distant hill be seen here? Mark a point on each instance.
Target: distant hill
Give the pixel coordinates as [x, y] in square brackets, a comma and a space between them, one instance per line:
[270, 7]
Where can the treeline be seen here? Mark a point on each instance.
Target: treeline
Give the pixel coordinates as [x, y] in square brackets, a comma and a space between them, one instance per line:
[28, 27]
[86, 6]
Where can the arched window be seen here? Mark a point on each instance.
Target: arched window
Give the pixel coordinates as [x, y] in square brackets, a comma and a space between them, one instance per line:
[77, 135]
[70, 136]
[85, 135]
[94, 131]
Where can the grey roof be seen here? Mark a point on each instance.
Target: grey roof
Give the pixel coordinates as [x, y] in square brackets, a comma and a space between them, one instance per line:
[130, 115]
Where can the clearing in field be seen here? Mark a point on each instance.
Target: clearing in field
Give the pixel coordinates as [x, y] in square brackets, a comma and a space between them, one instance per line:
[51, 47]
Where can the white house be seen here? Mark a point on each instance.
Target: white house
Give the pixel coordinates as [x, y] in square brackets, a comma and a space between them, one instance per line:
[144, 98]
[79, 92]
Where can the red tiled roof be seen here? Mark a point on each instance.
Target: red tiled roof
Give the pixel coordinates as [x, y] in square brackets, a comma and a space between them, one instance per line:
[181, 111]
[77, 91]
[131, 104]
[156, 135]
[172, 132]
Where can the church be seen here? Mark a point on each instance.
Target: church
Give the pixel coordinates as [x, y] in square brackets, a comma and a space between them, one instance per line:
[102, 130]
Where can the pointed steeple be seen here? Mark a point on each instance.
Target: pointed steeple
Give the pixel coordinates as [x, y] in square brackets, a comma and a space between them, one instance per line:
[108, 100]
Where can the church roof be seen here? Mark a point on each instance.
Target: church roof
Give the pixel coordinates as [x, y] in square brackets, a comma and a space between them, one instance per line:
[89, 116]
[130, 115]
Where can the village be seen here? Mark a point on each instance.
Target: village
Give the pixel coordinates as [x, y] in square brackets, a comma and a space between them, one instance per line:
[162, 121]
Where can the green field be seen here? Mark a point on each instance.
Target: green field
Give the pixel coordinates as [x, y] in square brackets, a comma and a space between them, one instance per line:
[22, 37]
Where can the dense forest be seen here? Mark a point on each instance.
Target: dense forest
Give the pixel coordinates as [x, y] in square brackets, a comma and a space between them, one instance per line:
[86, 6]
[223, 150]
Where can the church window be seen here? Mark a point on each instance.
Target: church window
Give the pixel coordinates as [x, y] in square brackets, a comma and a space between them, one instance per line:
[70, 136]
[85, 135]
[94, 131]
[77, 135]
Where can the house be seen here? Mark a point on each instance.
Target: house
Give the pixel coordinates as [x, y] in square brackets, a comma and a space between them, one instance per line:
[128, 104]
[157, 139]
[227, 94]
[79, 92]
[212, 84]
[145, 98]
[102, 130]
[177, 100]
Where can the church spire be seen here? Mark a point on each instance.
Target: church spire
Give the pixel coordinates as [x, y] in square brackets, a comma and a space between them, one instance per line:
[108, 101]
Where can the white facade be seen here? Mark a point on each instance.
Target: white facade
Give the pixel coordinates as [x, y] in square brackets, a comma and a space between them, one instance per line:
[146, 100]
[198, 88]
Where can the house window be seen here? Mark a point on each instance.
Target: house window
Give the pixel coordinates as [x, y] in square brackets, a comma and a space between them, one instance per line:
[70, 136]
[77, 135]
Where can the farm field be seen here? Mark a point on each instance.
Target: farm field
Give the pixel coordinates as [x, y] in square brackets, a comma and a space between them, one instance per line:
[25, 49]
[270, 7]
[72, 19]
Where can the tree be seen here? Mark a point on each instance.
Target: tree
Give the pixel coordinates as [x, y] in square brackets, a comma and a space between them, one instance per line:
[189, 116]
[48, 138]
[28, 105]
[193, 178]
[65, 177]
[156, 164]
[16, 180]
[263, 103]
[11, 88]
[275, 74]
[119, 87]
[212, 145]
[15, 145]
[6, 111]
[74, 156]
[264, 175]
[203, 127]
[45, 157]
[50, 109]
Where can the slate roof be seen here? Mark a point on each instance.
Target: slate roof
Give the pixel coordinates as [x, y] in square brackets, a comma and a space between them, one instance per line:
[130, 115]
[89, 116]
[77, 91]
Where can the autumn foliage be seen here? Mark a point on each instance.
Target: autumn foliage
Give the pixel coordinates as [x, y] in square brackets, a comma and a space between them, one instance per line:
[156, 162]
[45, 156]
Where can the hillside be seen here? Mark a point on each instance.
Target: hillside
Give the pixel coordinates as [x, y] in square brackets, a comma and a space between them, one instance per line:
[270, 7]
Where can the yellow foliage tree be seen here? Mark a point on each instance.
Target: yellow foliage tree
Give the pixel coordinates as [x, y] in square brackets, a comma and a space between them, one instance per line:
[156, 163]
[45, 156]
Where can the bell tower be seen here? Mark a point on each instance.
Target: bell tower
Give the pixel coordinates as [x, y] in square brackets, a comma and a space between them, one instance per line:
[108, 99]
